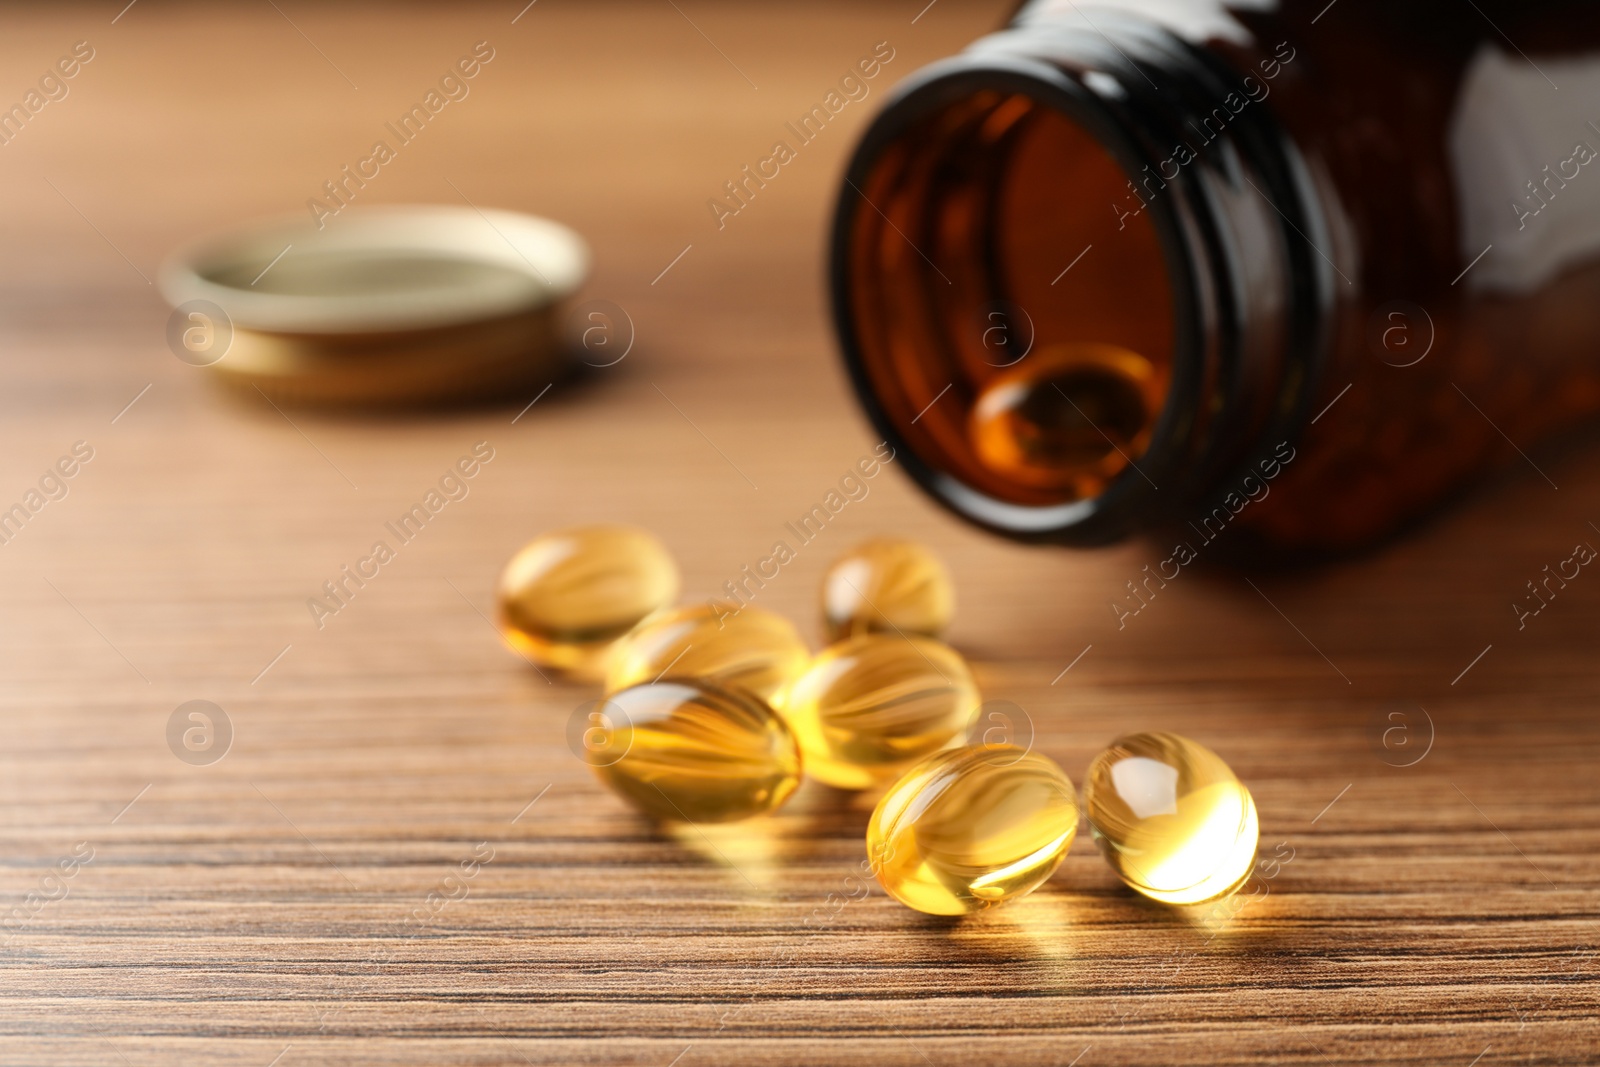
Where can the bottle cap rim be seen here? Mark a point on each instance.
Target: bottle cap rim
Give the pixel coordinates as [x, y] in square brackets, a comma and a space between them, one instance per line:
[383, 269]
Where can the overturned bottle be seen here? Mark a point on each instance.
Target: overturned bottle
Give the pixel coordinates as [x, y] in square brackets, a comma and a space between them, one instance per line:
[1290, 272]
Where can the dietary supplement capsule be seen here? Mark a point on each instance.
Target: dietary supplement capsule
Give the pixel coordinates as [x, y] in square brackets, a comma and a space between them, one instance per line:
[870, 706]
[691, 751]
[567, 596]
[1067, 417]
[753, 650]
[887, 584]
[1171, 818]
[972, 828]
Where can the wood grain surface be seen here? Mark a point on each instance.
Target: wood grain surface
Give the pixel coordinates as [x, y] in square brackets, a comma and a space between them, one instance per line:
[1425, 771]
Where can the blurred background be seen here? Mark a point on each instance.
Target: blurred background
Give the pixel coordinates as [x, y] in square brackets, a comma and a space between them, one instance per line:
[247, 908]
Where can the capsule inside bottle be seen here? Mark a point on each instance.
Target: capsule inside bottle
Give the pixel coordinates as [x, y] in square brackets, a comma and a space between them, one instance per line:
[1067, 419]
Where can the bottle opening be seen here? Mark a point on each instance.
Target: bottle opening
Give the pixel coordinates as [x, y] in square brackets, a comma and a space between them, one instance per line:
[1006, 297]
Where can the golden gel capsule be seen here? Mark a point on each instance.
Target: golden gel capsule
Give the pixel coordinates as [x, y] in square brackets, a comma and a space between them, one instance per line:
[1171, 818]
[1067, 418]
[972, 828]
[748, 649]
[888, 585]
[566, 596]
[690, 751]
[870, 706]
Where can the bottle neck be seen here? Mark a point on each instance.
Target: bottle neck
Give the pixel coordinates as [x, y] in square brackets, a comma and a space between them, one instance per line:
[1076, 279]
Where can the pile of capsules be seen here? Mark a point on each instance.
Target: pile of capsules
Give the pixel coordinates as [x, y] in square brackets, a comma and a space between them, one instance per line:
[711, 711]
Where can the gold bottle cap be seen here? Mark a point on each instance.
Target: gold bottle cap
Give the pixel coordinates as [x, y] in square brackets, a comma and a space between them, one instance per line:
[381, 306]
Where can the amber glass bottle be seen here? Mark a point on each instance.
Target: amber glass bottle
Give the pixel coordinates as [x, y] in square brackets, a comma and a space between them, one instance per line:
[1292, 270]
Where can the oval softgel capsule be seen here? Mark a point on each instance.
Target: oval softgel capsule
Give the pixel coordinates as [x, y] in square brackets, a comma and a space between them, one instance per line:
[1171, 818]
[972, 828]
[872, 705]
[691, 751]
[567, 596]
[750, 649]
[887, 585]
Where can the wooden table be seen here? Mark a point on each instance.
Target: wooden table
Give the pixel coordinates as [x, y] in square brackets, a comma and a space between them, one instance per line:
[273, 907]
